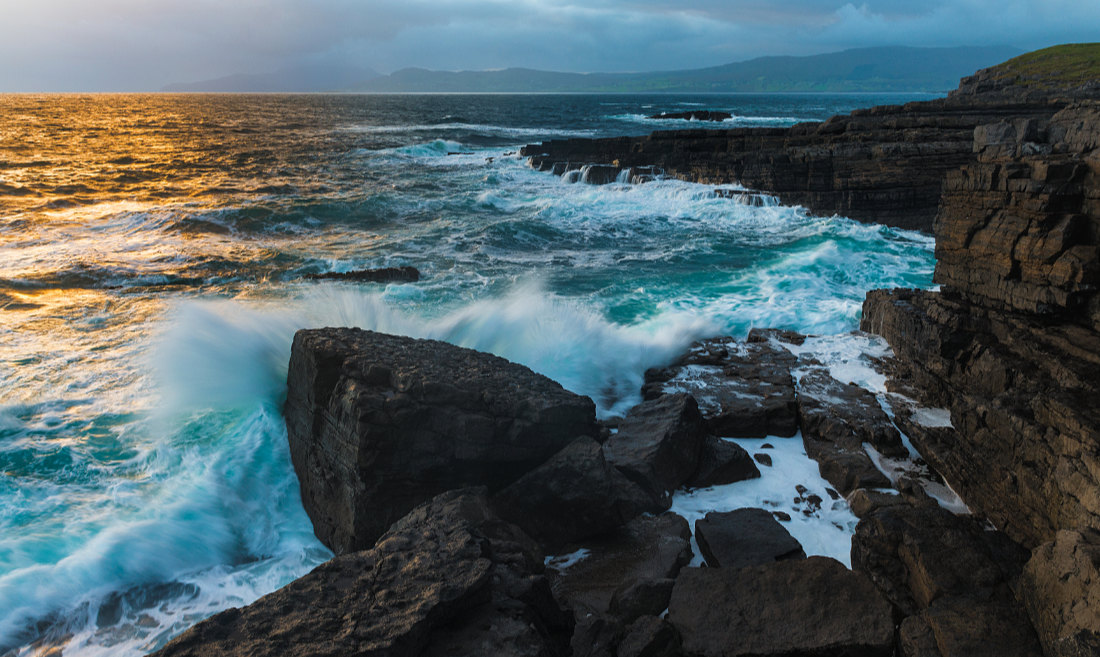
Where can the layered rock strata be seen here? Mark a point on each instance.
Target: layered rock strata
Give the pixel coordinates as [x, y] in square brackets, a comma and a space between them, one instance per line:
[1010, 343]
[883, 165]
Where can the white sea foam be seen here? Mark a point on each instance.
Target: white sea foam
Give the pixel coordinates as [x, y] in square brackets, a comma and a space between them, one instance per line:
[825, 531]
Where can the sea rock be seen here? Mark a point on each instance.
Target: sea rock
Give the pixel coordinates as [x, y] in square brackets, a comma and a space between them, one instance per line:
[814, 607]
[383, 275]
[744, 537]
[722, 462]
[1011, 343]
[449, 578]
[650, 636]
[1060, 588]
[845, 415]
[846, 468]
[648, 548]
[743, 389]
[658, 443]
[575, 495]
[694, 115]
[378, 424]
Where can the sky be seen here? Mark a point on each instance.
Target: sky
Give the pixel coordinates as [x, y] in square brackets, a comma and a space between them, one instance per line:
[142, 45]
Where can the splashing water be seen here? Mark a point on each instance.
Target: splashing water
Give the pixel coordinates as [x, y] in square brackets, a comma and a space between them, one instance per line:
[151, 281]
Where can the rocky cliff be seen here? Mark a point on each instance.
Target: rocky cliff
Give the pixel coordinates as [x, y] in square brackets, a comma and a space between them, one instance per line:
[1011, 344]
[884, 165]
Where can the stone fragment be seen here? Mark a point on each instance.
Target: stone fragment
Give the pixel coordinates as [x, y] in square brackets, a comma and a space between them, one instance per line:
[650, 636]
[658, 443]
[722, 462]
[744, 537]
[641, 597]
[1060, 589]
[647, 548]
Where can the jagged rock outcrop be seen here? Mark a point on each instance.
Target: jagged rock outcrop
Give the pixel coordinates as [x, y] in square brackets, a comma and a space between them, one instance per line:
[448, 579]
[658, 442]
[378, 424]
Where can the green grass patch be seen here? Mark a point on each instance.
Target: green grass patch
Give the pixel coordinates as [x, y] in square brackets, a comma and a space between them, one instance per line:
[1068, 65]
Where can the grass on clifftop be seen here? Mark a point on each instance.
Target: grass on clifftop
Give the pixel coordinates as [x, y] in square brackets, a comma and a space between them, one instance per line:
[1068, 65]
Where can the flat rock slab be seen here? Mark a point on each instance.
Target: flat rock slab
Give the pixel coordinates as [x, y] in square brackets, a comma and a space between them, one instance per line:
[647, 548]
[845, 415]
[744, 389]
[449, 578]
[744, 537]
[813, 607]
[378, 424]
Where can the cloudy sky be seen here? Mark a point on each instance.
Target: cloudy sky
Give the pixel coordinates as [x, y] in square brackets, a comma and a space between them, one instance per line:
[134, 45]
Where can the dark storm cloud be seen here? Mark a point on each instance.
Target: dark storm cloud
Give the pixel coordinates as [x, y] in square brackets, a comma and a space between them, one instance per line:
[143, 44]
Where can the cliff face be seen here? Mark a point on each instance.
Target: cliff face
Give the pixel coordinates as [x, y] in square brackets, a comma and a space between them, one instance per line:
[883, 165]
[1011, 344]
[1011, 341]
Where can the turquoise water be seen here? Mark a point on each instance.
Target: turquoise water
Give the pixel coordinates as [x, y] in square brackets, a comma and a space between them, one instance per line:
[152, 254]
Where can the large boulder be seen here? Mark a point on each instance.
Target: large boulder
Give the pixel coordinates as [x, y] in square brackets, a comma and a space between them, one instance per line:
[1060, 589]
[967, 627]
[744, 537]
[813, 607]
[658, 442]
[448, 579]
[575, 495]
[378, 424]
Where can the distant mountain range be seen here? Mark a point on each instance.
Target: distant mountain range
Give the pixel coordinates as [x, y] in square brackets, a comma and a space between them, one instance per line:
[892, 68]
[297, 79]
[860, 69]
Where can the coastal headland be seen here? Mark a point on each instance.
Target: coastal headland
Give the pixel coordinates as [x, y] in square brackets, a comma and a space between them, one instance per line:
[443, 477]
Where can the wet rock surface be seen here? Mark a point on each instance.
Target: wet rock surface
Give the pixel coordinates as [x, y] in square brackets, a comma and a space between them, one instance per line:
[449, 578]
[378, 424]
[744, 389]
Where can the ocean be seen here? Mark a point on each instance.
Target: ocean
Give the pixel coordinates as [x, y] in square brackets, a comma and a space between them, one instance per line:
[153, 259]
